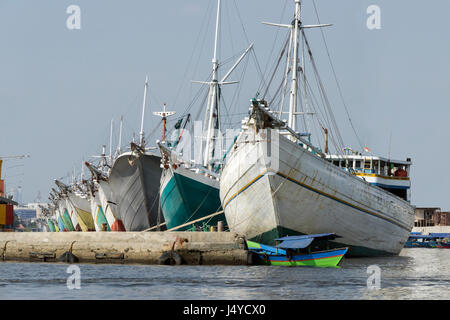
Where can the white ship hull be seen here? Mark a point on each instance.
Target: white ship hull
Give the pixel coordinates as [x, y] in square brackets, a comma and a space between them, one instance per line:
[109, 207]
[98, 213]
[305, 194]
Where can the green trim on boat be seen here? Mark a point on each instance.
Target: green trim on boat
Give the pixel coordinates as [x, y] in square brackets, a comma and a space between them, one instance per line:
[184, 199]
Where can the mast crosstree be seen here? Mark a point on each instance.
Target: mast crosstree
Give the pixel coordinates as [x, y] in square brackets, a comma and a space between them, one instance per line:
[293, 63]
[212, 116]
[164, 115]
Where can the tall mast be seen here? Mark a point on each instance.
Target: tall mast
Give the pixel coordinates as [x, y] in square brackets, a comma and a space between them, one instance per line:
[141, 134]
[292, 121]
[103, 156]
[213, 105]
[212, 122]
[110, 141]
[288, 67]
[82, 171]
[164, 115]
[119, 146]
[293, 62]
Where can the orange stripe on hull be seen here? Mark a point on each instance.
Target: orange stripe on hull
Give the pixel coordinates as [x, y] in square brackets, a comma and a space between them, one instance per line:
[118, 226]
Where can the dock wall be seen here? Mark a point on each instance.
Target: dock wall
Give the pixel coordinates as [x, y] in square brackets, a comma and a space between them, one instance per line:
[436, 229]
[193, 248]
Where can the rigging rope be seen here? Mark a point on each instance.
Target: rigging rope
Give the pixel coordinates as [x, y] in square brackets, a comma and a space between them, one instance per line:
[336, 79]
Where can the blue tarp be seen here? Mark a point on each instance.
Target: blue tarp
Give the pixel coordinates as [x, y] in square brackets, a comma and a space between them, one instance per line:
[421, 237]
[440, 235]
[307, 236]
[296, 244]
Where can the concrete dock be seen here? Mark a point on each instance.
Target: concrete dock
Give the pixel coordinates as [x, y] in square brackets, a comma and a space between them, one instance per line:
[191, 248]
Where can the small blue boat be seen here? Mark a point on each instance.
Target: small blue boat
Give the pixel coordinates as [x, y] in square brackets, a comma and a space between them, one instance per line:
[443, 240]
[421, 241]
[298, 251]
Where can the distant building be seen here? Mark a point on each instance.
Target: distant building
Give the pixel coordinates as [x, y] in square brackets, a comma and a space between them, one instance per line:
[442, 219]
[25, 213]
[431, 217]
[38, 207]
[30, 211]
[424, 217]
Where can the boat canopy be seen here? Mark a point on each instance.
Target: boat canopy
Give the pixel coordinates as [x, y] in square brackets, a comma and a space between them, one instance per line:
[300, 242]
[296, 244]
[307, 236]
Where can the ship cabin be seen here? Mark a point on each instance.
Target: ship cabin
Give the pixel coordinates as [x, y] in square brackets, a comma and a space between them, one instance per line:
[390, 175]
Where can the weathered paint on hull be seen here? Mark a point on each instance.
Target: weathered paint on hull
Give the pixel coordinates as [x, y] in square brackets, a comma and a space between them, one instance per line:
[98, 214]
[67, 221]
[51, 226]
[134, 182]
[187, 196]
[308, 195]
[109, 207]
[72, 214]
[82, 208]
[64, 219]
[61, 224]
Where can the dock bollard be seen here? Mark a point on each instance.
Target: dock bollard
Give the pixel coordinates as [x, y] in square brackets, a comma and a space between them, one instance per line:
[220, 226]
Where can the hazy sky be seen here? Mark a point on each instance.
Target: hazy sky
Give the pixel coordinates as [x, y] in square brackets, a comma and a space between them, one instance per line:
[59, 88]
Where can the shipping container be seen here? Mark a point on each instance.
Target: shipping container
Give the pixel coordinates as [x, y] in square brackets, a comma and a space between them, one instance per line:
[6, 214]
[2, 214]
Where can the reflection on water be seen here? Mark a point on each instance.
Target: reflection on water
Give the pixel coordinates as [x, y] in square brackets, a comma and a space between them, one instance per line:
[418, 273]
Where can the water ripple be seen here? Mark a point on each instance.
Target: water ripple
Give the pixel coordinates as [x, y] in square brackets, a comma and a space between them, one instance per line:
[415, 274]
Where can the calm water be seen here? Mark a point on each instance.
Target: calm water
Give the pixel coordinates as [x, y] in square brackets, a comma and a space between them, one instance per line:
[415, 274]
